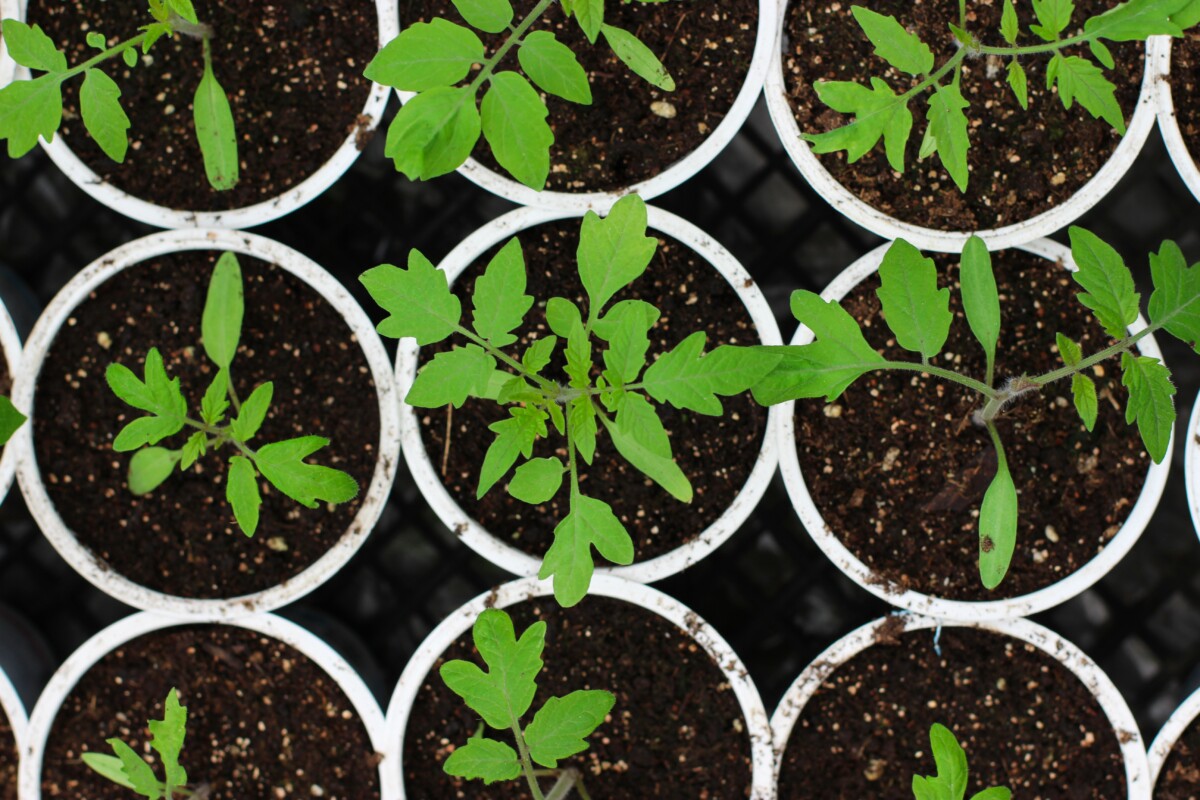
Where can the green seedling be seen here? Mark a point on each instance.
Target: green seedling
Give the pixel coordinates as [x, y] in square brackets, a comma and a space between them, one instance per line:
[616, 393]
[918, 313]
[33, 108]
[129, 769]
[880, 113]
[281, 463]
[503, 695]
[11, 419]
[950, 783]
[435, 132]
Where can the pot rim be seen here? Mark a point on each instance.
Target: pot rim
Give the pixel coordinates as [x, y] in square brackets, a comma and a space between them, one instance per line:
[1176, 725]
[1168, 124]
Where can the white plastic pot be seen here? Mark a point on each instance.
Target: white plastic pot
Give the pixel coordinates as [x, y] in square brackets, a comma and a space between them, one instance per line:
[497, 550]
[1168, 123]
[90, 566]
[1125, 728]
[1176, 725]
[645, 597]
[503, 185]
[8, 10]
[130, 628]
[960, 610]
[887, 226]
[248, 216]
[1191, 465]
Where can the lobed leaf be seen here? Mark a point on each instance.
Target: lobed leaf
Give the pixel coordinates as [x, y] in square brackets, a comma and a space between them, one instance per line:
[504, 693]
[514, 437]
[138, 773]
[1080, 79]
[638, 57]
[1137, 20]
[560, 728]
[185, 9]
[537, 356]
[590, 523]
[878, 113]
[626, 328]
[640, 438]
[1106, 281]
[948, 126]
[168, 737]
[514, 124]
[109, 767]
[428, 55]
[915, 309]
[1053, 17]
[216, 399]
[158, 395]
[993, 793]
[579, 357]
[29, 46]
[282, 463]
[215, 131]
[1175, 301]
[492, 16]
[1019, 82]
[903, 50]
[105, 120]
[581, 421]
[552, 66]
[418, 300]
[686, 378]
[29, 109]
[950, 759]
[1150, 401]
[613, 251]
[193, 450]
[241, 492]
[451, 377]
[483, 759]
[433, 133]
[250, 418]
[499, 296]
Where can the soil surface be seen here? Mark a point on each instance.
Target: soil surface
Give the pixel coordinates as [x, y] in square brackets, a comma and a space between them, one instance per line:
[1180, 776]
[716, 453]
[182, 538]
[898, 469]
[263, 720]
[1025, 721]
[627, 134]
[8, 760]
[676, 730]
[1185, 86]
[292, 72]
[1022, 163]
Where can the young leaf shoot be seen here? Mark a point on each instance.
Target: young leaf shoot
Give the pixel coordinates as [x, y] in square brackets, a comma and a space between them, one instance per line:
[223, 420]
[879, 112]
[129, 769]
[917, 312]
[435, 132]
[503, 695]
[950, 783]
[34, 108]
[615, 393]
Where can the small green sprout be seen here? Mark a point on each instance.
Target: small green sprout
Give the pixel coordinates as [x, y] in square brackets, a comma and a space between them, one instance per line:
[503, 695]
[881, 113]
[130, 770]
[918, 313]
[951, 781]
[615, 394]
[281, 463]
[435, 132]
[11, 419]
[29, 109]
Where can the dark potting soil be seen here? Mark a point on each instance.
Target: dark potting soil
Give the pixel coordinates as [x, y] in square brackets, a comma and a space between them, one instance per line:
[898, 469]
[1025, 721]
[263, 720]
[633, 131]
[292, 71]
[8, 760]
[676, 730]
[1180, 776]
[716, 453]
[1185, 89]
[182, 538]
[1022, 163]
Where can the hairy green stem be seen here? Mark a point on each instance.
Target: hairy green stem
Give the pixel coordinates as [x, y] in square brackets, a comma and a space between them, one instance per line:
[526, 761]
[545, 384]
[954, 377]
[490, 65]
[1120, 347]
[934, 78]
[104, 55]
[962, 14]
[1033, 49]
[567, 780]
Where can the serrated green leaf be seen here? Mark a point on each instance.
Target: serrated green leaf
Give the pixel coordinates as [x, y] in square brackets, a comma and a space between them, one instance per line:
[640, 438]
[1070, 351]
[638, 57]
[149, 467]
[216, 399]
[282, 463]
[878, 113]
[418, 300]
[590, 16]
[1054, 16]
[981, 299]
[994, 793]
[427, 55]
[926, 789]
[1083, 389]
[686, 378]
[1080, 79]
[483, 759]
[158, 395]
[997, 522]
[105, 120]
[948, 124]
[1102, 54]
[185, 9]
[613, 251]
[241, 492]
[29, 109]
[1107, 283]
[552, 66]
[216, 132]
[514, 389]
[1150, 402]
[1137, 20]
[1019, 82]
[579, 357]
[562, 315]
[108, 767]
[499, 296]
[915, 309]
[515, 436]
[560, 728]
[537, 356]
[451, 377]
[903, 50]
[168, 737]
[1175, 302]
[491, 16]
[581, 421]
[249, 420]
[1010, 27]
[29, 46]
[433, 133]
[504, 693]
[139, 774]
[10, 419]
[193, 449]
[154, 32]
[514, 124]
[950, 759]
[537, 480]
[224, 307]
[626, 328]
[590, 523]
